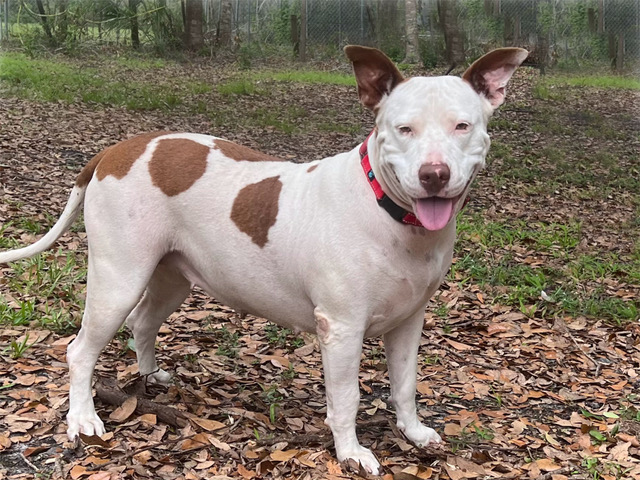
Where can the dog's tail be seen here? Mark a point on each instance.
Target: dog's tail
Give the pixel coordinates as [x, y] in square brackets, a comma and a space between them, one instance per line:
[69, 215]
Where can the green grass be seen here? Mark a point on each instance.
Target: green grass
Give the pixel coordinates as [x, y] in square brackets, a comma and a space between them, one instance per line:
[52, 288]
[46, 80]
[250, 83]
[548, 87]
[305, 76]
[545, 237]
[242, 86]
[138, 63]
[601, 81]
[492, 255]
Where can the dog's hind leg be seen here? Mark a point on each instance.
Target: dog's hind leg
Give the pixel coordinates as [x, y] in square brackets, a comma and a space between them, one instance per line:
[114, 285]
[401, 347]
[166, 291]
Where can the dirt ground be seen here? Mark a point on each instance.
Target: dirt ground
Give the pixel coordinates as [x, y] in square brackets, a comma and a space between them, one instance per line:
[516, 390]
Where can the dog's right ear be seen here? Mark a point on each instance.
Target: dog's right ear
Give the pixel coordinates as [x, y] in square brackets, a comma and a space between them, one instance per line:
[376, 75]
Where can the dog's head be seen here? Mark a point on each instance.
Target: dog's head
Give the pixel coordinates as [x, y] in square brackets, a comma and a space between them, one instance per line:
[431, 132]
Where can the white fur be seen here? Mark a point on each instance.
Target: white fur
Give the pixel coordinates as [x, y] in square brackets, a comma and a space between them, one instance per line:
[335, 263]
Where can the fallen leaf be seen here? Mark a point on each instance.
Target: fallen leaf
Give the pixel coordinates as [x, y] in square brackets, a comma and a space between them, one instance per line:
[5, 441]
[34, 450]
[461, 347]
[208, 425]
[283, 456]
[244, 473]
[334, 468]
[124, 411]
[77, 471]
[547, 465]
[94, 440]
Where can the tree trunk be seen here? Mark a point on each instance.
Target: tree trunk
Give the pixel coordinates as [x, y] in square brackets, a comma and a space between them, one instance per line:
[193, 18]
[454, 41]
[135, 34]
[62, 23]
[303, 31]
[411, 30]
[619, 65]
[43, 19]
[295, 34]
[600, 17]
[387, 24]
[224, 26]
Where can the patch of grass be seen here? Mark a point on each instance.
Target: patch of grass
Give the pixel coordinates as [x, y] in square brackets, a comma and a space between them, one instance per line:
[248, 83]
[286, 119]
[138, 63]
[51, 284]
[591, 268]
[272, 397]
[519, 285]
[242, 86]
[597, 81]
[46, 80]
[199, 88]
[501, 123]
[499, 150]
[18, 348]
[547, 237]
[326, 126]
[282, 337]
[471, 434]
[228, 342]
[574, 284]
[306, 76]
[23, 315]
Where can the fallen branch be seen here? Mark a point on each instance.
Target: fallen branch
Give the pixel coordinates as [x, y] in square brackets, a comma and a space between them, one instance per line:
[109, 392]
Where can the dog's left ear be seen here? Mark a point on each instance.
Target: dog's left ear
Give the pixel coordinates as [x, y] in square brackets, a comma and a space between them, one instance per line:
[490, 74]
[376, 75]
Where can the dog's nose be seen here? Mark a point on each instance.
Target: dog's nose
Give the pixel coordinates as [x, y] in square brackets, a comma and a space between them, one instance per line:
[434, 176]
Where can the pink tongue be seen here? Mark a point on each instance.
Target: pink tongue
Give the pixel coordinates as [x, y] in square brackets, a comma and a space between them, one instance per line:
[434, 212]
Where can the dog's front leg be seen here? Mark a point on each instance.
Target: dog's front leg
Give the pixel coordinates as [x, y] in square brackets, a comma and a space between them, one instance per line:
[341, 347]
[401, 346]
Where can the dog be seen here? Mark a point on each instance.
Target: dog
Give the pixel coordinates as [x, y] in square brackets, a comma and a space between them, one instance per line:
[348, 247]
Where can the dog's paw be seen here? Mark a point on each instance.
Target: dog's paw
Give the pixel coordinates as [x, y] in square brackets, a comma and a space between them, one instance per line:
[89, 424]
[365, 457]
[160, 376]
[421, 435]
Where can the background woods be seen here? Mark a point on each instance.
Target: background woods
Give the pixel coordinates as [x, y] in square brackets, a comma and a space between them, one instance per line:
[569, 32]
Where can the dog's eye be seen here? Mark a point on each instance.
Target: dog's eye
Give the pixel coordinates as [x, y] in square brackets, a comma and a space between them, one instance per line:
[462, 127]
[404, 130]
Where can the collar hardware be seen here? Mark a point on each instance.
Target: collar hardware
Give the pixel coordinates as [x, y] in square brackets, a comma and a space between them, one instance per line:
[396, 211]
[392, 208]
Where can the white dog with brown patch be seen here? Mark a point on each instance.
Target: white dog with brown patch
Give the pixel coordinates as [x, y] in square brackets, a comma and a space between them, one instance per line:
[349, 247]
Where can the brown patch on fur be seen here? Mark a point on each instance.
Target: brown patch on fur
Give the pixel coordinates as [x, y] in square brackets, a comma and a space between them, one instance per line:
[86, 174]
[119, 159]
[242, 153]
[376, 75]
[176, 164]
[255, 209]
[506, 58]
[312, 168]
[116, 160]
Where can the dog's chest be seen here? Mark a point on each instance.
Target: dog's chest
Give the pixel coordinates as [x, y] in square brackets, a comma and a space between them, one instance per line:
[404, 284]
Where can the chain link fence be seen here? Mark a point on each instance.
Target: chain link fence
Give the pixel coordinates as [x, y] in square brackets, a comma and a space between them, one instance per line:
[558, 32]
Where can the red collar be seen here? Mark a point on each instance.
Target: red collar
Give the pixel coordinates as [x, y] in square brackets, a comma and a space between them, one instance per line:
[396, 211]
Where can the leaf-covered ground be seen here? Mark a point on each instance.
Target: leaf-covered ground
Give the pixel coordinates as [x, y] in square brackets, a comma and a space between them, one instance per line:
[530, 357]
